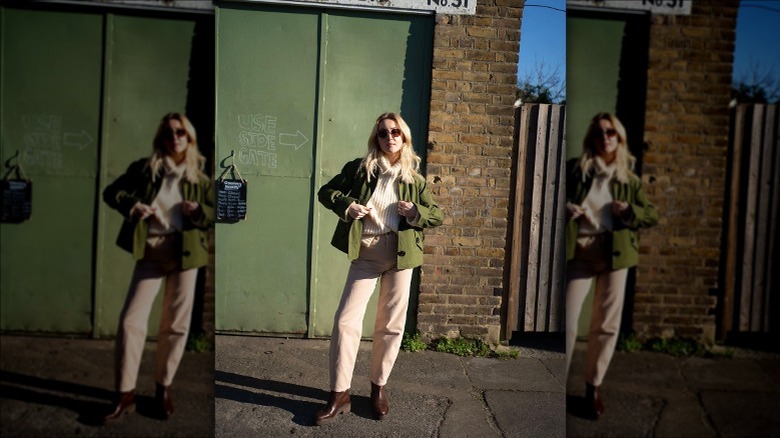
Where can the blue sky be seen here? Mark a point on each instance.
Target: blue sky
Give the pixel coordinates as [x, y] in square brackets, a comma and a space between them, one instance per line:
[758, 37]
[543, 36]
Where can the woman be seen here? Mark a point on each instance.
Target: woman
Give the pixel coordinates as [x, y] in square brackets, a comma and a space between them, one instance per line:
[383, 204]
[168, 204]
[605, 207]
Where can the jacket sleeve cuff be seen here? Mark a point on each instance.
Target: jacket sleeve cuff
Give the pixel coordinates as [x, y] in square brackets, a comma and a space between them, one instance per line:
[341, 206]
[415, 222]
[345, 217]
[129, 206]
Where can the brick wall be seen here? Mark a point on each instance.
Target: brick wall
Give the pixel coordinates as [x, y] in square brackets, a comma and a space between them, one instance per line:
[687, 126]
[468, 168]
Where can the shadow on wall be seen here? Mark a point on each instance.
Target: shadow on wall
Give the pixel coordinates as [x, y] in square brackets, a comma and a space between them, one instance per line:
[415, 95]
[201, 102]
[630, 109]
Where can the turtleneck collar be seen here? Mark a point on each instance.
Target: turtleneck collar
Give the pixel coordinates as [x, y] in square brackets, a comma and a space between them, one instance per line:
[171, 168]
[385, 166]
[603, 169]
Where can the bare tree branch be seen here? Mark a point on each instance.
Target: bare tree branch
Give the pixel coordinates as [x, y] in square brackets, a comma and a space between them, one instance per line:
[760, 84]
[543, 84]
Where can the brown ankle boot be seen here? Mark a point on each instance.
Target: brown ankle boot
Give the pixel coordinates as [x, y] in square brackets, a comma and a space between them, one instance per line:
[379, 401]
[594, 402]
[163, 400]
[125, 404]
[338, 403]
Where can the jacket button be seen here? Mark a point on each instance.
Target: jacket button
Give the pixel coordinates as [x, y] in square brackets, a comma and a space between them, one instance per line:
[402, 253]
[616, 253]
[185, 253]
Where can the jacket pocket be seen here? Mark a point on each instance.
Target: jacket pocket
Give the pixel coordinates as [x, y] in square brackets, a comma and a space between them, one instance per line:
[419, 239]
[634, 240]
[204, 240]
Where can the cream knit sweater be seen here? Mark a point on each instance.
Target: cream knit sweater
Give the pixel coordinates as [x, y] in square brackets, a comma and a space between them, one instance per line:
[384, 216]
[167, 218]
[598, 203]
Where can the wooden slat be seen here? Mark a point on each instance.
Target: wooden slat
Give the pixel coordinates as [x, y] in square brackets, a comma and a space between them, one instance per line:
[748, 253]
[557, 304]
[772, 145]
[732, 237]
[548, 219]
[544, 142]
[536, 219]
[763, 148]
[515, 264]
[530, 159]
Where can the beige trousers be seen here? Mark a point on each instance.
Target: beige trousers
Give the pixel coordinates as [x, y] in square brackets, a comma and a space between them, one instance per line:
[161, 260]
[377, 259]
[592, 260]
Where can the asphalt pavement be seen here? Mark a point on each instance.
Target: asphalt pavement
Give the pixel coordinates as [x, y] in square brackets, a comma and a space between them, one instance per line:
[649, 394]
[272, 387]
[55, 386]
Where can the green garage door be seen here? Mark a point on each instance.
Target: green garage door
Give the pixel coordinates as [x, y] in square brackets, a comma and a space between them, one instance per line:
[147, 71]
[82, 94]
[297, 92]
[51, 71]
[606, 63]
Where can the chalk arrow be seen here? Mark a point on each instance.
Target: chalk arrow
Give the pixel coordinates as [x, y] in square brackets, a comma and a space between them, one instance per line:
[80, 140]
[297, 140]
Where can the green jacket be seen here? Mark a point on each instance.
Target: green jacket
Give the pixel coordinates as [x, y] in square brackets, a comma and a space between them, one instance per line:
[351, 185]
[624, 238]
[136, 185]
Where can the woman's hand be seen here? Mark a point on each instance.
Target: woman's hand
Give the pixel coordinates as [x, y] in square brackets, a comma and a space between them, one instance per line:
[190, 209]
[141, 211]
[574, 211]
[357, 211]
[407, 209]
[621, 209]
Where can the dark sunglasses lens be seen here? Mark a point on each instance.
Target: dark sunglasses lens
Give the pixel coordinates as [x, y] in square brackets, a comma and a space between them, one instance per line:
[609, 133]
[175, 132]
[382, 133]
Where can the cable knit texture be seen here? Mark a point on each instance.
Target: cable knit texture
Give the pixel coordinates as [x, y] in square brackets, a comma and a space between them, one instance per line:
[598, 203]
[384, 217]
[167, 218]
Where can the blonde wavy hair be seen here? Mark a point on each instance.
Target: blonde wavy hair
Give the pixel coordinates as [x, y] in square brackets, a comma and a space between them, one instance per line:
[624, 161]
[410, 161]
[194, 161]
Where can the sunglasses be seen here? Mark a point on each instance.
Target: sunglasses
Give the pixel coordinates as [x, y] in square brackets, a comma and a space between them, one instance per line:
[609, 132]
[382, 133]
[179, 132]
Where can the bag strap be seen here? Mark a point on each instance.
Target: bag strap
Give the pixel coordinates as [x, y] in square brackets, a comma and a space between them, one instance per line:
[232, 168]
[20, 174]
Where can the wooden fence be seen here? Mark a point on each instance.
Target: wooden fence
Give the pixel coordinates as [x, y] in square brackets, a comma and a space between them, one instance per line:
[534, 301]
[752, 256]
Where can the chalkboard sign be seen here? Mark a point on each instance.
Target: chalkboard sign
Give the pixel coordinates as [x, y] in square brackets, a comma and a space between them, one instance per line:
[231, 200]
[17, 200]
